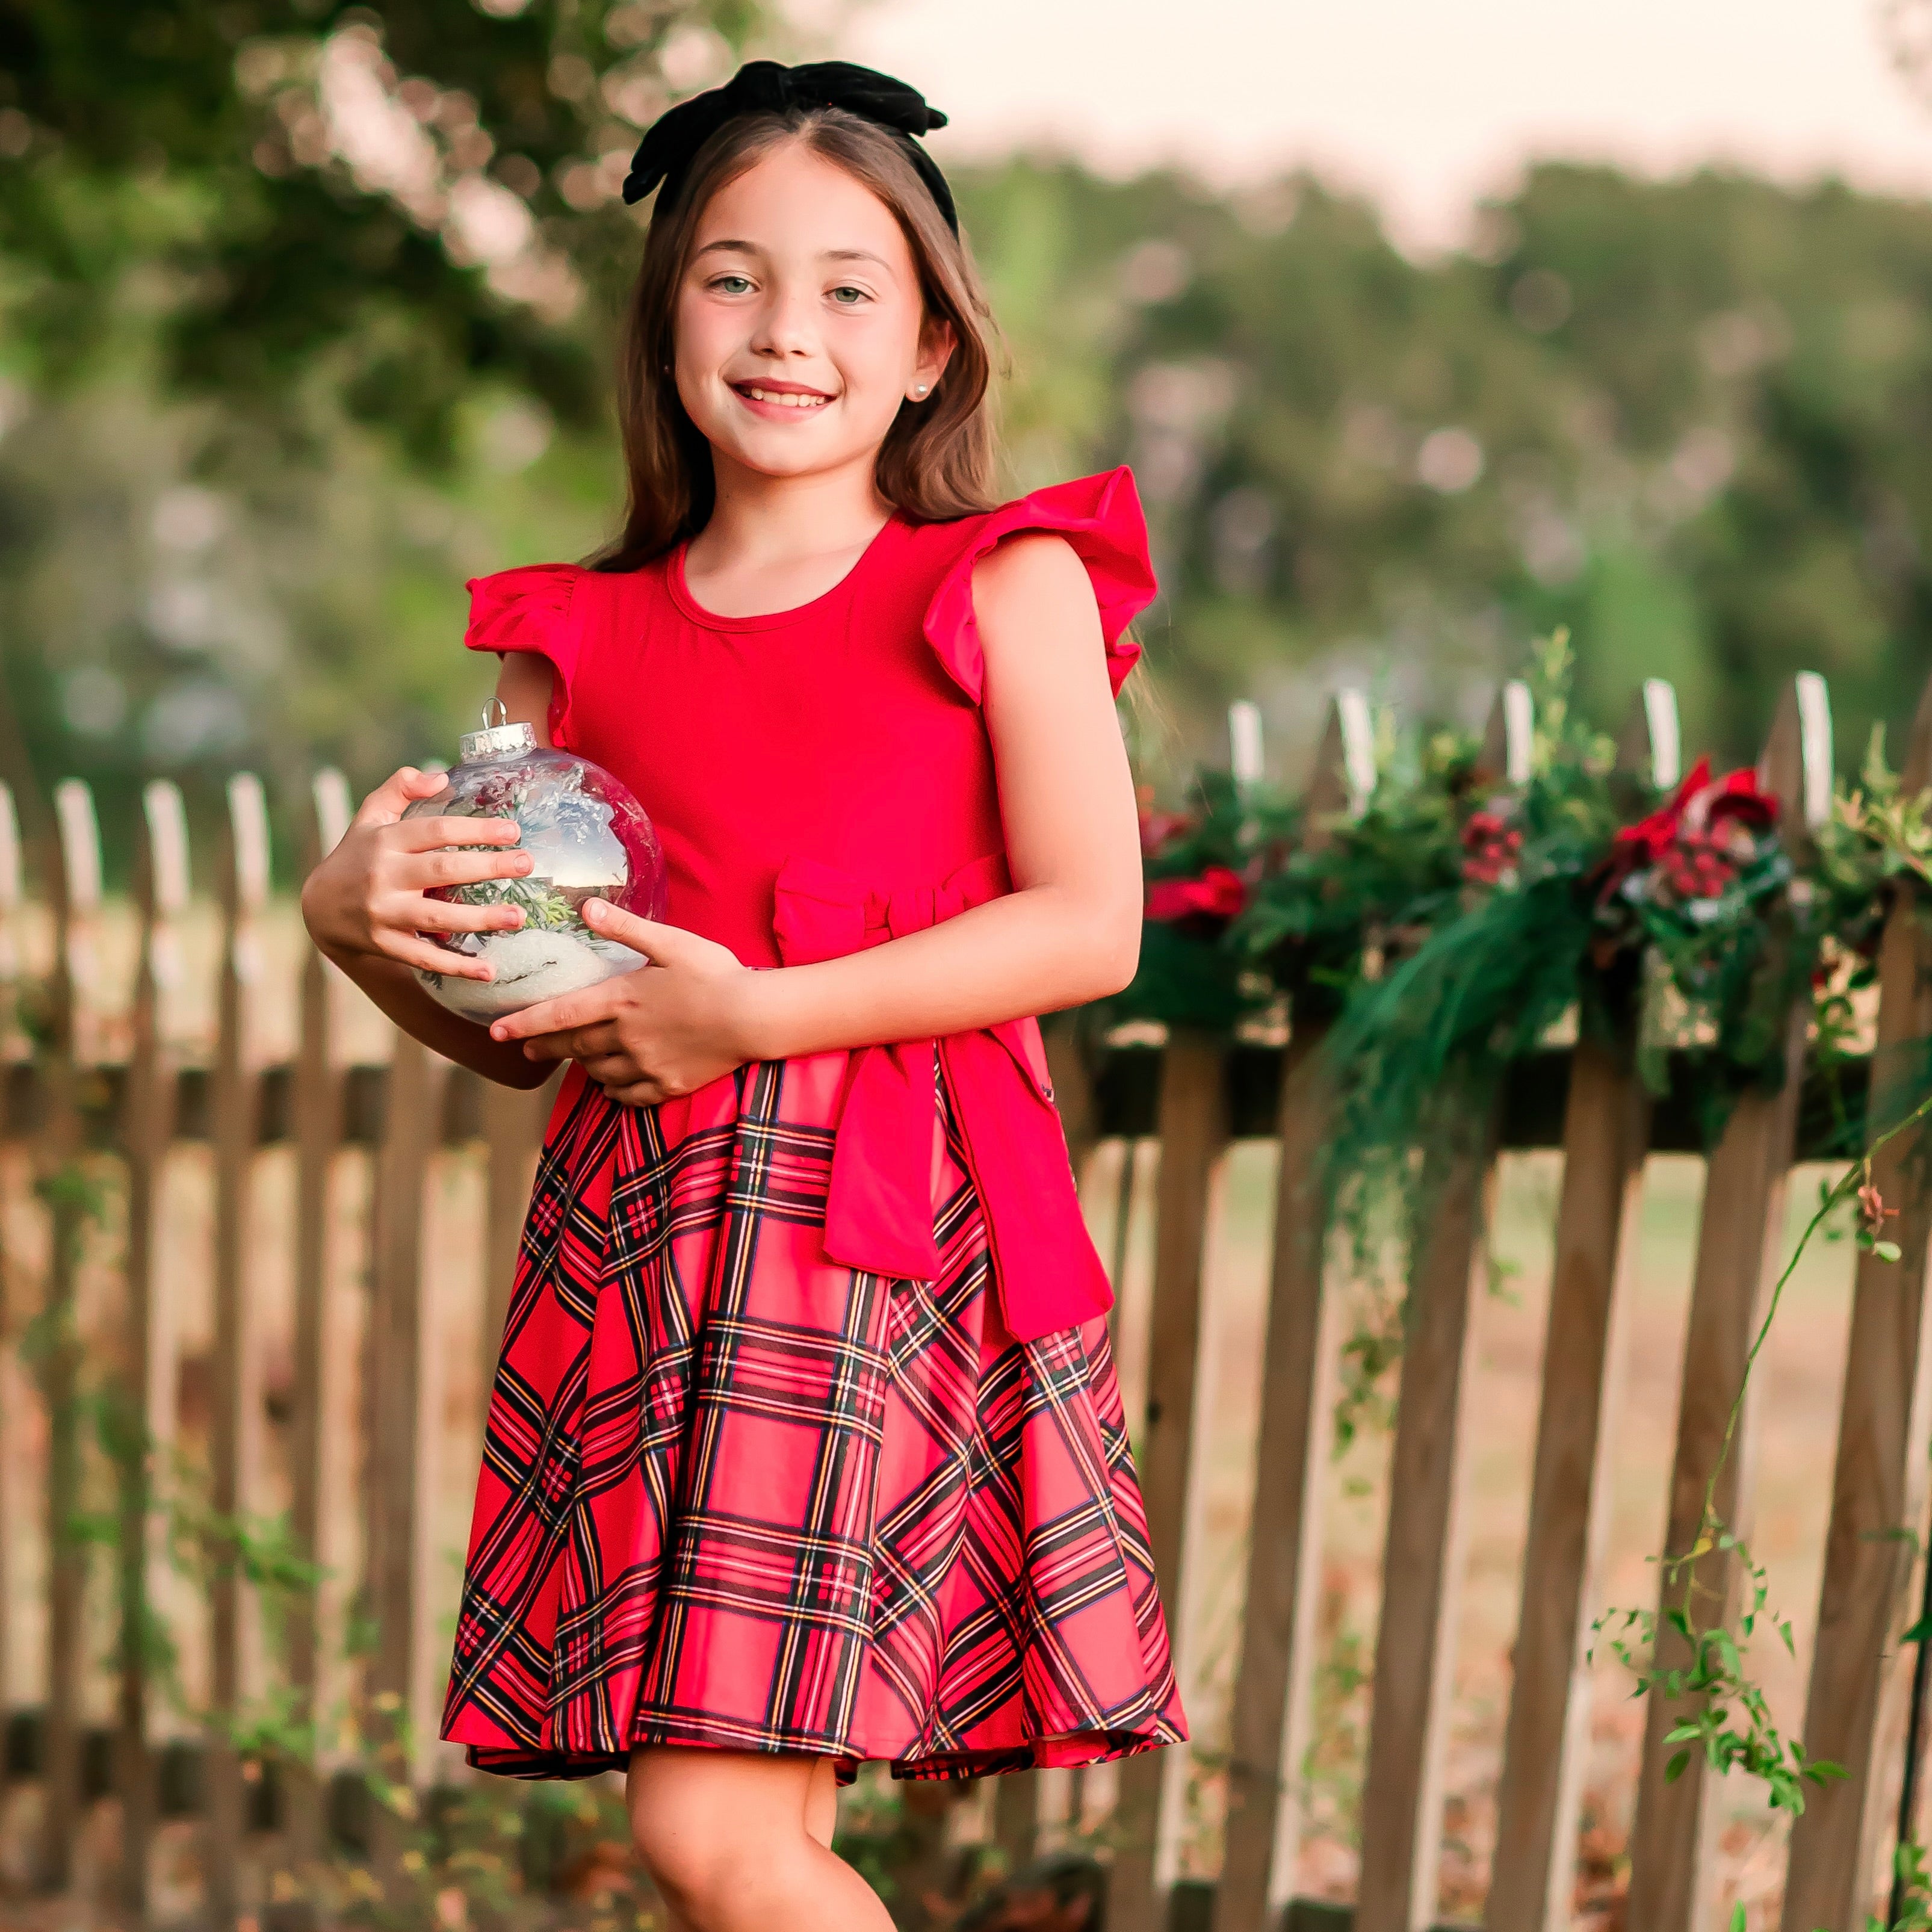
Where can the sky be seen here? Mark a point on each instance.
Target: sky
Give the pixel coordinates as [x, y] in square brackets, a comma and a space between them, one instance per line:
[1426, 104]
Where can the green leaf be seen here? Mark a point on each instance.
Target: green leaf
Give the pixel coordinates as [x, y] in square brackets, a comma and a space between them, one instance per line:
[1674, 1769]
[1887, 1251]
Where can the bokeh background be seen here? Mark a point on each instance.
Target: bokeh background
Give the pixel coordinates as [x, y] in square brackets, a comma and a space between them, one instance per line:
[1425, 328]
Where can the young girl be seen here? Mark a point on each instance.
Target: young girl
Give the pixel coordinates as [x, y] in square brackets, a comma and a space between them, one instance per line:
[806, 1447]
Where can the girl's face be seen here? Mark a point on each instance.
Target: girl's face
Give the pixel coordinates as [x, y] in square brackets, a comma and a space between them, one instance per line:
[801, 328]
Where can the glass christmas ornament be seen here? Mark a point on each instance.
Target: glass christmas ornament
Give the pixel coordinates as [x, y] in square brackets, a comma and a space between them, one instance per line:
[589, 838]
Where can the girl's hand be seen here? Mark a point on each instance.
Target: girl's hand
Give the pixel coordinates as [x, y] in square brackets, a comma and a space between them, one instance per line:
[679, 1024]
[369, 896]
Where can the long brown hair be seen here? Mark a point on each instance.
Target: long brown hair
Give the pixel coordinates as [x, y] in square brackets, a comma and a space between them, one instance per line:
[937, 460]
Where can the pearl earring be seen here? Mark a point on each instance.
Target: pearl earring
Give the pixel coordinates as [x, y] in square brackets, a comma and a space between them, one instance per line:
[920, 388]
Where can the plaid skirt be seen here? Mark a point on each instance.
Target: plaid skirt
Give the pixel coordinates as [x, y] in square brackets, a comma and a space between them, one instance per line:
[733, 1495]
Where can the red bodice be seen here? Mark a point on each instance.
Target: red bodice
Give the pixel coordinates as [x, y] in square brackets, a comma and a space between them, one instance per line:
[822, 780]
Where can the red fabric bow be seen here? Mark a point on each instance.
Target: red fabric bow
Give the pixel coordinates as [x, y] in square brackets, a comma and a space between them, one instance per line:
[1219, 892]
[878, 1213]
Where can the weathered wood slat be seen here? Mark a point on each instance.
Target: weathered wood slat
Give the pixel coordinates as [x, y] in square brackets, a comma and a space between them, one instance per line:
[236, 1438]
[1547, 1734]
[1739, 1239]
[1415, 1641]
[12, 894]
[146, 1391]
[1401, 1792]
[1855, 1711]
[403, 1417]
[72, 1026]
[322, 1412]
[1193, 1120]
[1269, 1716]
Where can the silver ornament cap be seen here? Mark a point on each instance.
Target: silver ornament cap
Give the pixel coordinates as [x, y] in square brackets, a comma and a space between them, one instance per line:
[498, 738]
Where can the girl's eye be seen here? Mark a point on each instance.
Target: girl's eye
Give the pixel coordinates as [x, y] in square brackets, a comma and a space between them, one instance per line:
[849, 298]
[732, 285]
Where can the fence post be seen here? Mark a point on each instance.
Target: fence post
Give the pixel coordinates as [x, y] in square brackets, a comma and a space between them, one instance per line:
[71, 1042]
[144, 1424]
[323, 1359]
[1739, 1236]
[1401, 1792]
[1193, 1127]
[237, 1433]
[404, 1419]
[1605, 1133]
[1854, 1716]
[11, 893]
[1270, 1705]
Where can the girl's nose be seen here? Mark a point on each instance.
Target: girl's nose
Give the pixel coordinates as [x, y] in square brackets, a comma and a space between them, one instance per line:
[785, 326]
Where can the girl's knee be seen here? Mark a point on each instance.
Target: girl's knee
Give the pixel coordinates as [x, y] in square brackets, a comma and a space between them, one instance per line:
[705, 1834]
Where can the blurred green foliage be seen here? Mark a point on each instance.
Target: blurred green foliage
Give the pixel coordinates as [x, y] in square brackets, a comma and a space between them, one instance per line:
[305, 316]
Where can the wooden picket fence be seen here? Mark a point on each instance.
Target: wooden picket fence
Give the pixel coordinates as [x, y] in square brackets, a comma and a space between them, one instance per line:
[84, 1095]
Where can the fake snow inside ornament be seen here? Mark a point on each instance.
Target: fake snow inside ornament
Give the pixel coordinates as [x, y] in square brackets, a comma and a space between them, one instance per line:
[589, 839]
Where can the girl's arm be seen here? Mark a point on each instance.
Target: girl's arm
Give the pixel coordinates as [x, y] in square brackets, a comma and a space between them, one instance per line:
[1069, 932]
[365, 905]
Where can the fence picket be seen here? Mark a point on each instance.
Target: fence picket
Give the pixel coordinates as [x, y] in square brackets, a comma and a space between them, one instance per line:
[1739, 1236]
[1269, 1711]
[12, 893]
[236, 1437]
[1855, 1711]
[403, 1417]
[1402, 1792]
[1194, 1136]
[1606, 1132]
[145, 1394]
[72, 1035]
[322, 1412]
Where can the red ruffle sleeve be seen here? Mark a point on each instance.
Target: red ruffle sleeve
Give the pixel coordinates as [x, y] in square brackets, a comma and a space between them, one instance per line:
[1101, 517]
[528, 609]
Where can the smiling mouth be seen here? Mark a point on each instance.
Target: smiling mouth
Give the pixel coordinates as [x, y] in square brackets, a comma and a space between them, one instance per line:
[784, 399]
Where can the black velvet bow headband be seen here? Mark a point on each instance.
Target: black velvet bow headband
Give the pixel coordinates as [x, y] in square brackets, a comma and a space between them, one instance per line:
[764, 87]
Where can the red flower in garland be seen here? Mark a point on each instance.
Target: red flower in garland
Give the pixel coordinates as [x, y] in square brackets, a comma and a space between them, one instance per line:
[1493, 846]
[1218, 893]
[1694, 841]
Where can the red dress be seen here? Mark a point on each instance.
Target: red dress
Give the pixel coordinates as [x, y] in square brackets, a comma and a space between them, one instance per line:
[805, 1435]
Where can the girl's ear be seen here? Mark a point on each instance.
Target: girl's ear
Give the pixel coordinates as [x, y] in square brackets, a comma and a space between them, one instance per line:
[936, 342]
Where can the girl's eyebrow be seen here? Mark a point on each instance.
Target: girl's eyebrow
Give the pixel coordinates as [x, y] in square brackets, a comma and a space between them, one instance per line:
[857, 255]
[727, 248]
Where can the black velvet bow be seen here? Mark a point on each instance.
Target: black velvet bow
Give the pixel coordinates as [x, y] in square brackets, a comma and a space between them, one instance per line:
[764, 87]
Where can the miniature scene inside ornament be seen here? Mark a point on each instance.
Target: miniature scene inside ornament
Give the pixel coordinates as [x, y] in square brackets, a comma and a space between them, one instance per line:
[587, 838]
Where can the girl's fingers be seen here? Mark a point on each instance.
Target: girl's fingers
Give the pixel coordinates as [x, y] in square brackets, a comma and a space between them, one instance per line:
[386, 803]
[419, 914]
[428, 957]
[425, 834]
[639, 1093]
[564, 1015]
[574, 1043]
[420, 871]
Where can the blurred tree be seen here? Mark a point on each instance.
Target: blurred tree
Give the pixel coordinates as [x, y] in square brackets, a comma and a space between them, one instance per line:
[304, 317]
[1683, 417]
[304, 312]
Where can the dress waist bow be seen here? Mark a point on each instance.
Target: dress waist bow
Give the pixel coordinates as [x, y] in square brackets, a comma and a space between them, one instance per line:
[878, 1214]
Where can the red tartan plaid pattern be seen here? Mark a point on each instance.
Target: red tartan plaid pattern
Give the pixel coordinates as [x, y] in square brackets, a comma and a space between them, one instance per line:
[733, 1495]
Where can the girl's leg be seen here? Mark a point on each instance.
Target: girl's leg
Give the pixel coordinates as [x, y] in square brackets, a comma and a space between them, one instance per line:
[821, 1803]
[727, 1838]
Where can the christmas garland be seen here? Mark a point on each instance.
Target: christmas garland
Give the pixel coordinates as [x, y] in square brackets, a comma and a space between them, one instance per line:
[1455, 920]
